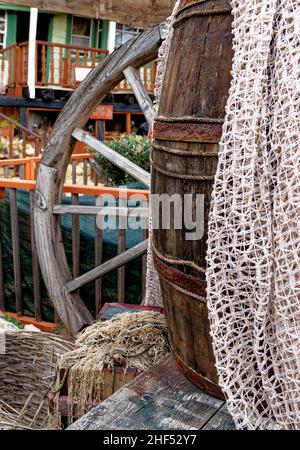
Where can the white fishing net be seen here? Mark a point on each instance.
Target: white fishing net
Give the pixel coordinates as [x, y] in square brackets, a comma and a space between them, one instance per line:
[153, 293]
[253, 256]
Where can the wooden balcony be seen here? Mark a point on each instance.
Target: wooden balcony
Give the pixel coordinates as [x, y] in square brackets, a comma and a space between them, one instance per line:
[57, 66]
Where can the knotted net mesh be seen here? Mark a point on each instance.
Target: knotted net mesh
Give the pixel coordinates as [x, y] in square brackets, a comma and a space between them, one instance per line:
[253, 255]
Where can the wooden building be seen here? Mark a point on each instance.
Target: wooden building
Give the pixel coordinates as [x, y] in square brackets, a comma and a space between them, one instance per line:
[45, 54]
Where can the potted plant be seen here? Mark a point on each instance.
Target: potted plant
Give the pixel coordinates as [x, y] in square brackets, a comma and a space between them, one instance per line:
[7, 128]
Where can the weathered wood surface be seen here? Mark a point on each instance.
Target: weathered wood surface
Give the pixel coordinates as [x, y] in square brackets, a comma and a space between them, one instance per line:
[114, 157]
[98, 260]
[75, 238]
[15, 237]
[55, 160]
[121, 249]
[36, 273]
[108, 266]
[102, 210]
[186, 132]
[70, 308]
[159, 399]
[143, 13]
[141, 94]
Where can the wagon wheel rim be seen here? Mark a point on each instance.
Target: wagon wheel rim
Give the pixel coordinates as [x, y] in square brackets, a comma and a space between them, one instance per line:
[52, 170]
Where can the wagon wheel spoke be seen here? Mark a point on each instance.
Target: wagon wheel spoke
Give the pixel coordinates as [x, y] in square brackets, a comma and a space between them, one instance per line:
[114, 157]
[140, 93]
[100, 210]
[105, 268]
[63, 290]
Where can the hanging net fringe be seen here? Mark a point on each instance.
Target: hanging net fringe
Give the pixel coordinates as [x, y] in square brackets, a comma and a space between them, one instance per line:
[254, 234]
[153, 295]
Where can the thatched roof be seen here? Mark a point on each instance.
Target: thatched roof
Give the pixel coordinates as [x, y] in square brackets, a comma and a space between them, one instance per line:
[137, 13]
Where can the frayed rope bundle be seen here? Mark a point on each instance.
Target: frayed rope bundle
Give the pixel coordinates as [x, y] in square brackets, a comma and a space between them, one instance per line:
[129, 340]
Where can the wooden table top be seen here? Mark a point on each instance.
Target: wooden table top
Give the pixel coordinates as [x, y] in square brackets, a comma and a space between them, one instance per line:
[159, 399]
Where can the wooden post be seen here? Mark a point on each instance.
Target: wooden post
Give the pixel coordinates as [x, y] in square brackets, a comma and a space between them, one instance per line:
[75, 238]
[32, 52]
[74, 174]
[111, 40]
[98, 261]
[35, 264]
[85, 172]
[16, 249]
[121, 249]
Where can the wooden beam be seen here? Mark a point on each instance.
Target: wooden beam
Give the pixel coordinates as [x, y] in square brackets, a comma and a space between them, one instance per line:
[114, 157]
[31, 70]
[140, 93]
[109, 266]
[102, 210]
[143, 13]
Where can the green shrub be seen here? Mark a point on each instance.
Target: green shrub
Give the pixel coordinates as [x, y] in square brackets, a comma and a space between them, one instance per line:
[135, 148]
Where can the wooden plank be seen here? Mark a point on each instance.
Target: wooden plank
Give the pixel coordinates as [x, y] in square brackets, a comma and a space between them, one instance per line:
[15, 237]
[98, 260]
[76, 189]
[140, 93]
[143, 13]
[121, 249]
[102, 210]
[105, 268]
[75, 238]
[36, 275]
[113, 156]
[222, 420]
[159, 399]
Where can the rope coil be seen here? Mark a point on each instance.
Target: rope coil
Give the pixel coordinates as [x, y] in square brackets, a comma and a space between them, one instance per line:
[203, 12]
[173, 260]
[189, 119]
[178, 152]
[180, 176]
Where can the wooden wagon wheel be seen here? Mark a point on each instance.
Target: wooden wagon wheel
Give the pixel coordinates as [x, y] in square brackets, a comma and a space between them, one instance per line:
[52, 170]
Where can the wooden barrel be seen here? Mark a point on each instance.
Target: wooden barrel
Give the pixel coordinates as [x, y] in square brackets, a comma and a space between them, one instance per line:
[184, 160]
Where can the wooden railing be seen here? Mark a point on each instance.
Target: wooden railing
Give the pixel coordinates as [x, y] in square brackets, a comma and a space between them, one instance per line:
[56, 66]
[79, 171]
[10, 186]
[147, 75]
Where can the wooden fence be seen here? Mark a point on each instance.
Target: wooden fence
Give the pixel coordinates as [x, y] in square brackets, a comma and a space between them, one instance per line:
[26, 181]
